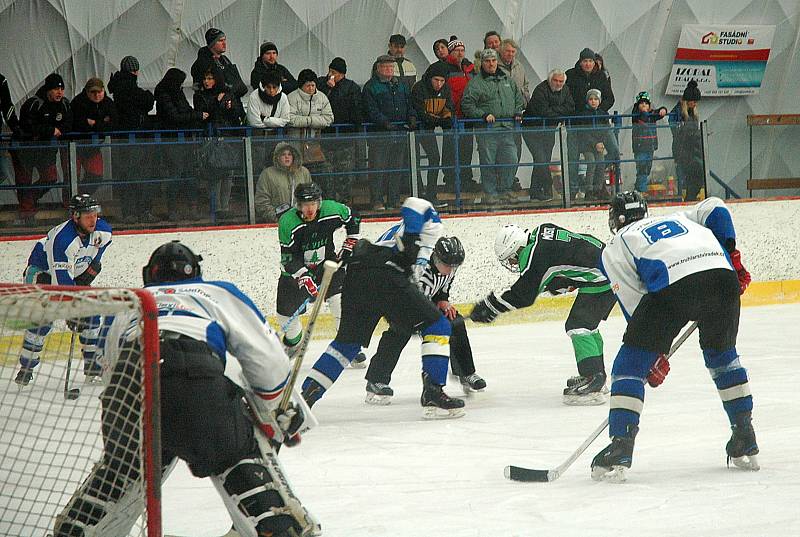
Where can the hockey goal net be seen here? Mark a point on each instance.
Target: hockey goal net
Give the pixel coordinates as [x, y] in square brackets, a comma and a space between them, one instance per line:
[74, 451]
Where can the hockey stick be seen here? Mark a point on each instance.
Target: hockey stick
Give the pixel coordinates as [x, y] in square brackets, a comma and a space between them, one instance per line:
[299, 311]
[329, 268]
[74, 392]
[519, 473]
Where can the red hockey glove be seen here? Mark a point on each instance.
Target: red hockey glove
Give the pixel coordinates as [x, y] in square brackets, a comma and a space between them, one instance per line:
[741, 272]
[658, 372]
[347, 248]
[307, 282]
[447, 308]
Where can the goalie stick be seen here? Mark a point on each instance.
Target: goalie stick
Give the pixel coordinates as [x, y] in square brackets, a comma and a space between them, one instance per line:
[520, 473]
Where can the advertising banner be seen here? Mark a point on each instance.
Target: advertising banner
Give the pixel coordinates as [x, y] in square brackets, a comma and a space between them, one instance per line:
[725, 60]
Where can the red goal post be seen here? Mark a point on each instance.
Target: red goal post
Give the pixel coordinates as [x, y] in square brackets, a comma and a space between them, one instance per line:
[107, 439]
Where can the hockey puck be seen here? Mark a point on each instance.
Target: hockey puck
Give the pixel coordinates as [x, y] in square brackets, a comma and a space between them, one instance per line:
[74, 393]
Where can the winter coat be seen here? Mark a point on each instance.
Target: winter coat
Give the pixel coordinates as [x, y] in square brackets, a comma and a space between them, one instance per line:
[172, 107]
[589, 137]
[433, 108]
[345, 99]
[644, 137]
[580, 82]
[517, 73]
[264, 115]
[288, 82]
[132, 102]
[276, 184]
[386, 102]
[205, 61]
[103, 113]
[546, 103]
[219, 114]
[404, 71]
[308, 114]
[38, 117]
[687, 141]
[7, 110]
[494, 94]
[457, 79]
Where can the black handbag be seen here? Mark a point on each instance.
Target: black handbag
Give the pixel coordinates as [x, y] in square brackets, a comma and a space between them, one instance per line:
[215, 152]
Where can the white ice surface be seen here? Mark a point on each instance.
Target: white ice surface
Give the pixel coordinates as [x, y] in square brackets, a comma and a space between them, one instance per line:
[370, 471]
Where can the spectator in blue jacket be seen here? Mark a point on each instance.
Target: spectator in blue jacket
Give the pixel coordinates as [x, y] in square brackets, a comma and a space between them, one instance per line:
[645, 137]
[387, 103]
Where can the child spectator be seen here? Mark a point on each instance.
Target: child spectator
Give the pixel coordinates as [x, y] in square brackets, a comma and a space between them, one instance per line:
[592, 141]
[645, 137]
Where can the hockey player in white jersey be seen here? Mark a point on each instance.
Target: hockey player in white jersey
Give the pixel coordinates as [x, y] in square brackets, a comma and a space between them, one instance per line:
[70, 254]
[204, 420]
[665, 272]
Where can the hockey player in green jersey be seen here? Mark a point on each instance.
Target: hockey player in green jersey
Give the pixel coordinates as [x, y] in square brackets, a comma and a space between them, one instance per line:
[306, 233]
[554, 260]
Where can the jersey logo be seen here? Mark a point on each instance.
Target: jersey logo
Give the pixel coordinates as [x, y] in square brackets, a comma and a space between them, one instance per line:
[667, 229]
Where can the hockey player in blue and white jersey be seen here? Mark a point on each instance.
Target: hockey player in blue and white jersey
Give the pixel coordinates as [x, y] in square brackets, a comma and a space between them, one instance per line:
[665, 272]
[381, 282]
[70, 254]
[204, 420]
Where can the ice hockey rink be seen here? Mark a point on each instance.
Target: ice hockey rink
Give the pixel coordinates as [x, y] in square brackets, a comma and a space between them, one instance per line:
[370, 471]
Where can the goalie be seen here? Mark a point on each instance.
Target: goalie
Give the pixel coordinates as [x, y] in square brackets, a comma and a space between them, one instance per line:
[204, 420]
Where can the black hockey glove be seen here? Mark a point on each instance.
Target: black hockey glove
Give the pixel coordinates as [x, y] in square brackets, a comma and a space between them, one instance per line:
[483, 312]
[88, 276]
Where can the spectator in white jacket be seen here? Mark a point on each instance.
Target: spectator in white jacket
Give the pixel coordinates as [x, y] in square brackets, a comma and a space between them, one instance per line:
[267, 106]
[310, 110]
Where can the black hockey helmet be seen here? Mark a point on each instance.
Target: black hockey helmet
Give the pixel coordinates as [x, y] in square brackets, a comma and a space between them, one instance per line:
[626, 207]
[307, 192]
[171, 262]
[450, 251]
[83, 203]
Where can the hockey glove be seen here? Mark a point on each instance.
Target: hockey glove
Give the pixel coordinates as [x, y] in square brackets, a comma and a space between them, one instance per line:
[347, 248]
[447, 308]
[417, 270]
[741, 272]
[290, 421]
[658, 372]
[483, 312]
[88, 276]
[307, 282]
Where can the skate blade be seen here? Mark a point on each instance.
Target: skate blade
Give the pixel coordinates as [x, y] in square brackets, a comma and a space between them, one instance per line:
[378, 400]
[436, 413]
[592, 399]
[615, 474]
[358, 365]
[746, 462]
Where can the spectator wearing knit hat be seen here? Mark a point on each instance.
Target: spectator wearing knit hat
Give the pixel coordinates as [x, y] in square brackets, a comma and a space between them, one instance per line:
[213, 56]
[130, 161]
[345, 98]
[268, 61]
[687, 144]
[45, 117]
[93, 115]
[593, 141]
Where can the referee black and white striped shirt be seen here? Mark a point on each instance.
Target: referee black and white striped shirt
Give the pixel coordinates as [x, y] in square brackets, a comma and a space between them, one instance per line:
[435, 285]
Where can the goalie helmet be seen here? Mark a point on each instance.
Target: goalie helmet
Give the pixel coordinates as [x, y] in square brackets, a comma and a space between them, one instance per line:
[307, 192]
[449, 251]
[171, 262]
[507, 245]
[626, 207]
[83, 203]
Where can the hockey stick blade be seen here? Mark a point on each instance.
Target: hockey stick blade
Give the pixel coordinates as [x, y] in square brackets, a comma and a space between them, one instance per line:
[518, 473]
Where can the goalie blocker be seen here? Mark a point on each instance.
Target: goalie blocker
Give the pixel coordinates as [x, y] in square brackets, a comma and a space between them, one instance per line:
[204, 418]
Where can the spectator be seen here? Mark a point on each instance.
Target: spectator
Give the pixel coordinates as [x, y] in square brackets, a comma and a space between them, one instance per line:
[309, 113]
[345, 98]
[515, 70]
[403, 70]
[174, 113]
[213, 54]
[434, 108]
[581, 79]
[460, 72]
[592, 144]
[220, 159]
[275, 186]
[93, 113]
[130, 160]
[8, 115]
[492, 40]
[268, 105]
[268, 61]
[644, 138]
[600, 66]
[387, 101]
[493, 96]
[44, 118]
[687, 143]
[440, 50]
[551, 100]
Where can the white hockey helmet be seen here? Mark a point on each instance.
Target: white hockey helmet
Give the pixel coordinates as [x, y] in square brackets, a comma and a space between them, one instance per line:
[507, 245]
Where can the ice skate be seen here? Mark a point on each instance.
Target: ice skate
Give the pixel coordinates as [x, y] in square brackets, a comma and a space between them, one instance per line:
[359, 362]
[378, 393]
[586, 391]
[613, 462]
[742, 447]
[92, 371]
[436, 404]
[472, 383]
[24, 377]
